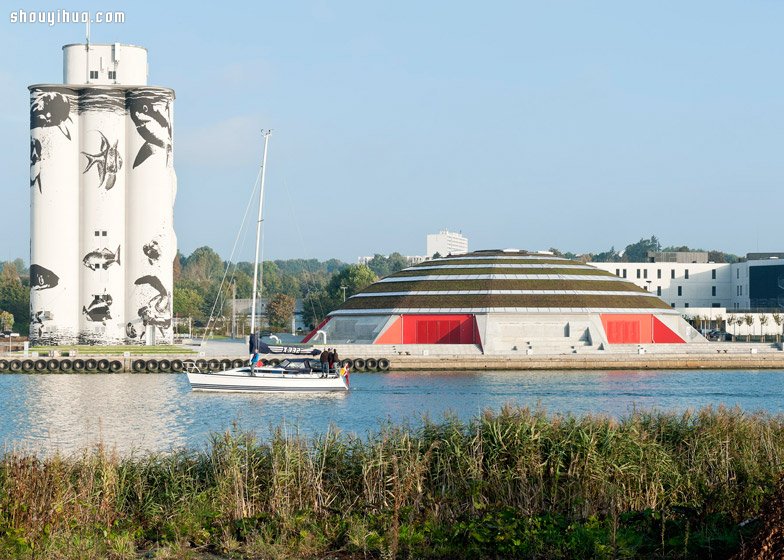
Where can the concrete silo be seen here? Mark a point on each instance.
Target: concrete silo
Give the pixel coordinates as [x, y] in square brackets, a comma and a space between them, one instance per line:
[102, 188]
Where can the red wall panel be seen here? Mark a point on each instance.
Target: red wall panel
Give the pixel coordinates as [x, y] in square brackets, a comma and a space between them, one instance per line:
[439, 329]
[633, 328]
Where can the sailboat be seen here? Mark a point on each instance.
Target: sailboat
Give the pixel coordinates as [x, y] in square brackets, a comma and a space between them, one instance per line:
[291, 375]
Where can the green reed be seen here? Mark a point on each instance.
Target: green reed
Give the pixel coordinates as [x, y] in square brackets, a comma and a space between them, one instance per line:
[513, 483]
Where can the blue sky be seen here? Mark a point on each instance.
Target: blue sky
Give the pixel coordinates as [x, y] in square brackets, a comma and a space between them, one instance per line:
[579, 125]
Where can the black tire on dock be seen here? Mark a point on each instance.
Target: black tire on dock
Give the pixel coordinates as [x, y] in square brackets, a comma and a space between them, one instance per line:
[66, 365]
[164, 366]
[371, 364]
[225, 364]
[214, 364]
[383, 364]
[138, 366]
[359, 364]
[40, 365]
[116, 366]
[91, 365]
[274, 362]
[263, 362]
[53, 365]
[201, 363]
[152, 365]
[237, 363]
[28, 365]
[176, 366]
[348, 362]
[103, 365]
[78, 364]
[15, 365]
[3, 365]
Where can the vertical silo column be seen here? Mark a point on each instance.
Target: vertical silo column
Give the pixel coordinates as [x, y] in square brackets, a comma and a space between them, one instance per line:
[54, 215]
[102, 174]
[149, 215]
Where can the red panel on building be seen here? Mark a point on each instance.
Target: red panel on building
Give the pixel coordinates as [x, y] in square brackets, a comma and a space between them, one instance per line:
[393, 334]
[641, 328]
[664, 334]
[439, 329]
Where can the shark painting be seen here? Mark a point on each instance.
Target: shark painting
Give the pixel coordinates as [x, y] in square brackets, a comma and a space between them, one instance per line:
[51, 109]
[152, 125]
[42, 278]
[107, 161]
[101, 258]
[35, 163]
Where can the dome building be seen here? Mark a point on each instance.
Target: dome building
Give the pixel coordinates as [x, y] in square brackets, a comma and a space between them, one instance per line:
[505, 301]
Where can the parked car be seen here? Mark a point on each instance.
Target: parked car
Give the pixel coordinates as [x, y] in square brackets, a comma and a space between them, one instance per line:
[718, 336]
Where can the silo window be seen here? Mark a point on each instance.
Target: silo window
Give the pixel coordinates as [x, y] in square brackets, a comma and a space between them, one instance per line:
[680, 290]
[93, 74]
[112, 74]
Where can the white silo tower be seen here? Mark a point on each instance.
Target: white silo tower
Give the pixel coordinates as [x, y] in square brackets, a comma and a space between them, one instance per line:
[102, 188]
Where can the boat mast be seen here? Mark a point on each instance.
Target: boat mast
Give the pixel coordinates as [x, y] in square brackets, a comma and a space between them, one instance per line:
[256, 275]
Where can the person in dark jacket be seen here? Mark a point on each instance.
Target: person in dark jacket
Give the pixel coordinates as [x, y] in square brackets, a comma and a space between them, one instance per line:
[331, 360]
[336, 359]
[324, 358]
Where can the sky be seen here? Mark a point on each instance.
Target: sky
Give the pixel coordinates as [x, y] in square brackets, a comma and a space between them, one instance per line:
[529, 125]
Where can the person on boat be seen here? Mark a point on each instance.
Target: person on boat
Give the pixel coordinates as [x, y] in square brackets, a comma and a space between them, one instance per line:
[324, 358]
[331, 360]
[336, 359]
[252, 348]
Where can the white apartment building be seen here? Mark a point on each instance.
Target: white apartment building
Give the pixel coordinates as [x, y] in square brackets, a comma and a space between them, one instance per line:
[445, 243]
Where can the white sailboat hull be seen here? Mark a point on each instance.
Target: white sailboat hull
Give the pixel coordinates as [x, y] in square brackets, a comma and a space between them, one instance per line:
[240, 380]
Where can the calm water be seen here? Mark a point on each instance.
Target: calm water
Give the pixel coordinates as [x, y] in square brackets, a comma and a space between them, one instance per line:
[136, 413]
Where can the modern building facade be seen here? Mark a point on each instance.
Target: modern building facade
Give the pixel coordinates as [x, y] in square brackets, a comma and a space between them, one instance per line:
[102, 189]
[754, 284]
[506, 301]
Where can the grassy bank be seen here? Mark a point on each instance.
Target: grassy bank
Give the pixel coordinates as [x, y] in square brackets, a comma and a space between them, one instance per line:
[517, 483]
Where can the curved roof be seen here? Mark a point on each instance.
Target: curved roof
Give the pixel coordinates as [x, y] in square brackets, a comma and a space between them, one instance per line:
[502, 281]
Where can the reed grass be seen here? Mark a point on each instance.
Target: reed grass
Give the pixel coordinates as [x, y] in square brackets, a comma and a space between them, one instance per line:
[517, 483]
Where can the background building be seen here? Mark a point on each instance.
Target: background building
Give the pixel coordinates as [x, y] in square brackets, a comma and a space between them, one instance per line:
[102, 189]
[445, 243]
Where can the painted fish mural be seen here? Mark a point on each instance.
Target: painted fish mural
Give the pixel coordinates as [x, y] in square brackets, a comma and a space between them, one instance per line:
[152, 125]
[101, 258]
[41, 278]
[51, 109]
[35, 163]
[157, 312]
[98, 310]
[152, 251]
[107, 161]
[130, 330]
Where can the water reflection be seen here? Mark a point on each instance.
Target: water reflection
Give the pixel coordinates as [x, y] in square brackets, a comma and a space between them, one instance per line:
[137, 413]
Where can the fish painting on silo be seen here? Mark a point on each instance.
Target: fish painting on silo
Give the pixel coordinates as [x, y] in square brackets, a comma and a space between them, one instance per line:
[107, 161]
[98, 310]
[152, 251]
[51, 108]
[41, 278]
[157, 311]
[35, 163]
[101, 258]
[150, 111]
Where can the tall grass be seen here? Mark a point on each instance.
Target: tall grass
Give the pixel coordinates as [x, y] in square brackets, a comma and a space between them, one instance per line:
[516, 483]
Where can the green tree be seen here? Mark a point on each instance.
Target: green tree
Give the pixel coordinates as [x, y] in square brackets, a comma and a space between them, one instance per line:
[749, 320]
[6, 321]
[638, 252]
[203, 265]
[280, 309]
[777, 319]
[354, 278]
[15, 299]
[763, 320]
[187, 302]
[607, 256]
